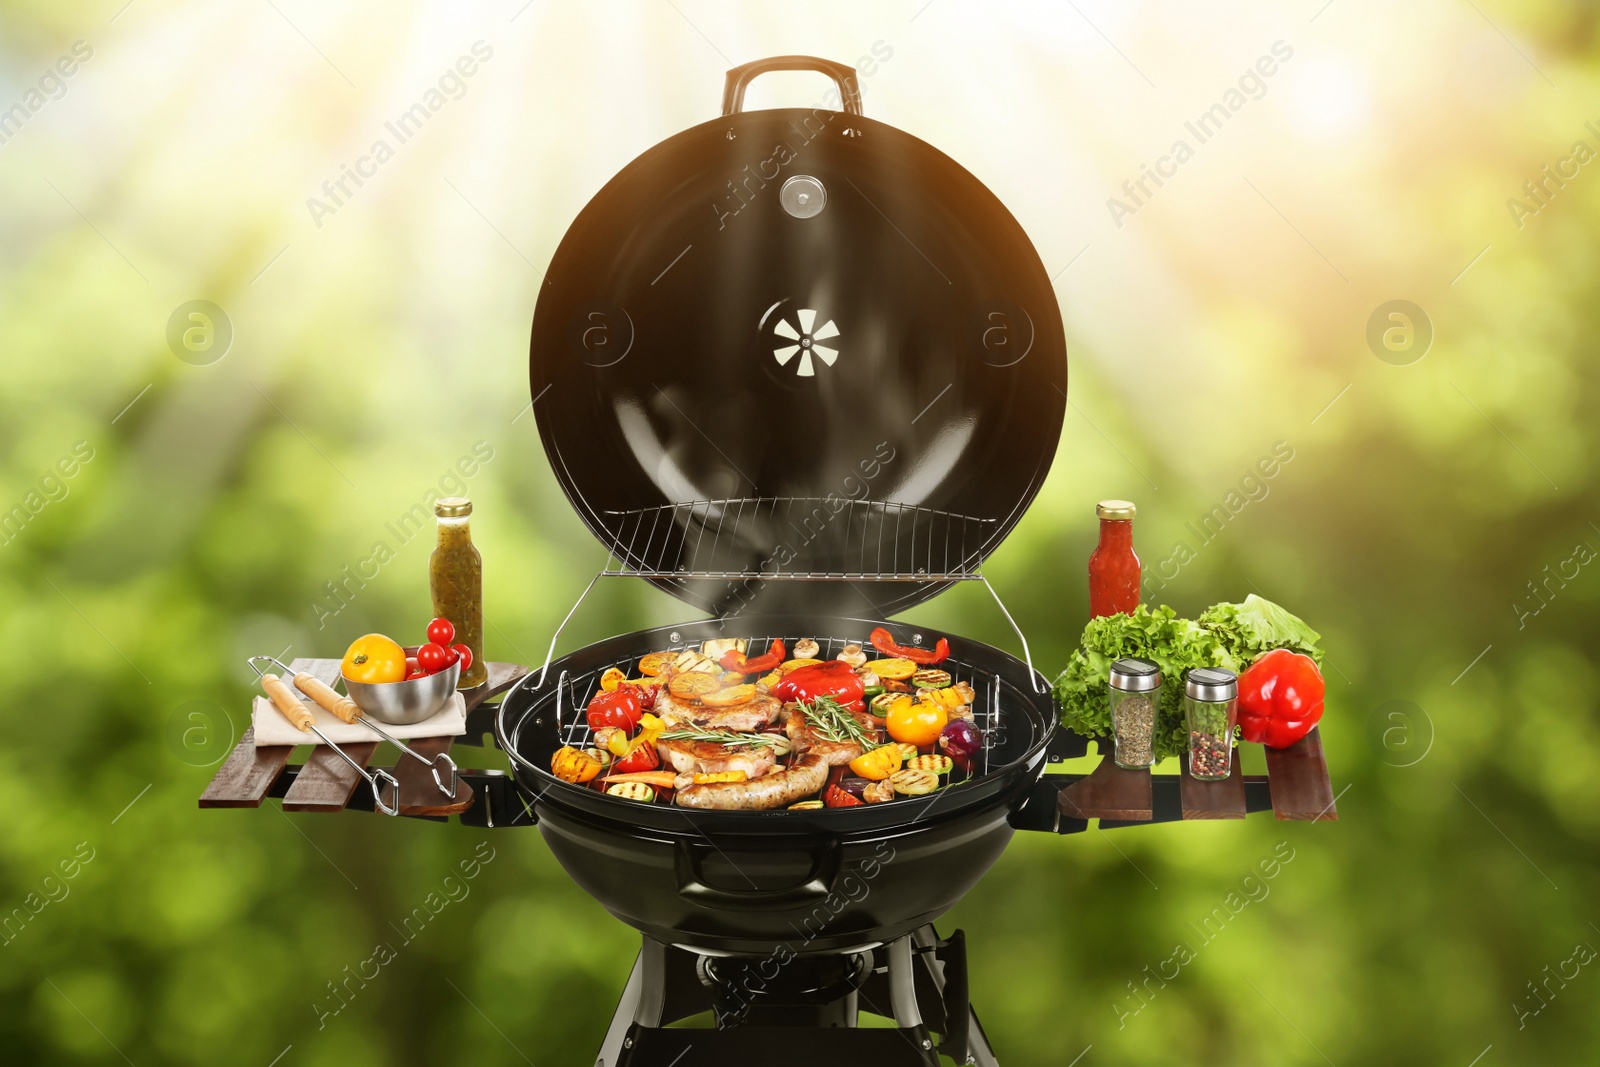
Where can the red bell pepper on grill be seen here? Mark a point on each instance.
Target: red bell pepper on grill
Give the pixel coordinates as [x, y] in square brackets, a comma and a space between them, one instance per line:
[835, 797]
[734, 660]
[1280, 698]
[834, 679]
[647, 694]
[620, 708]
[641, 756]
[883, 641]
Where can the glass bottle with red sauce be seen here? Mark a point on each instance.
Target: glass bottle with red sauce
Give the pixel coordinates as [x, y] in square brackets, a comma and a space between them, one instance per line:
[1113, 568]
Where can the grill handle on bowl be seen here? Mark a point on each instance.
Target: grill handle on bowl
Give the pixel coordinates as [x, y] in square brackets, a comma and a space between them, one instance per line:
[739, 78]
[818, 885]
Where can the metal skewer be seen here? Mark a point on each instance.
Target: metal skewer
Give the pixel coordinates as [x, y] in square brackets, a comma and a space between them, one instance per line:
[347, 710]
[299, 716]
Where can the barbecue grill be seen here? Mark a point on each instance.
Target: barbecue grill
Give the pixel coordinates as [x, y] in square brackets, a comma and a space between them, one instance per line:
[802, 371]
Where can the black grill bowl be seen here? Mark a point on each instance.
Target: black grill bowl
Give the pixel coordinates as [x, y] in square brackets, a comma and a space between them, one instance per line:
[782, 881]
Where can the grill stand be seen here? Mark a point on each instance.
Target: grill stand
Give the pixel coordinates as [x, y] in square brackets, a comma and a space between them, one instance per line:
[800, 1011]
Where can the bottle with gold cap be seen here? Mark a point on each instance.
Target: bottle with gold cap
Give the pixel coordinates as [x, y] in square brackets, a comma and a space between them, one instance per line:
[455, 571]
[1113, 567]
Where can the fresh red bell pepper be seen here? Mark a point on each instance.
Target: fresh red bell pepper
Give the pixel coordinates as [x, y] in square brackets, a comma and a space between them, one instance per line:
[620, 708]
[834, 679]
[734, 660]
[1280, 698]
[884, 642]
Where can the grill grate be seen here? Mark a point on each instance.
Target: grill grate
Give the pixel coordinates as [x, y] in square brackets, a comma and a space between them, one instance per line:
[817, 538]
[573, 692]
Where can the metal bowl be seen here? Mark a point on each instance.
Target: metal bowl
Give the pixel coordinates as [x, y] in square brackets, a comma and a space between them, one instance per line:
[405, 703]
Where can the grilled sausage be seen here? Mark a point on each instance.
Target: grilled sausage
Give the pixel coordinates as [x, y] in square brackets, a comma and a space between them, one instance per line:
[777, 790]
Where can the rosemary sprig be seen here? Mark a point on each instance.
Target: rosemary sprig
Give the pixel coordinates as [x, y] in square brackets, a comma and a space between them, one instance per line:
[725, 737]
[832, 722]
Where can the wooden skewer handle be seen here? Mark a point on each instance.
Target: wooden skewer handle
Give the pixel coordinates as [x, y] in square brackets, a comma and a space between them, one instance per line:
[285, 701]
[327, 698]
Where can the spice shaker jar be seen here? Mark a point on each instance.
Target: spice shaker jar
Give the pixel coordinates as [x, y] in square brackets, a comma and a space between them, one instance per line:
[1211, 707]
[1135, 694]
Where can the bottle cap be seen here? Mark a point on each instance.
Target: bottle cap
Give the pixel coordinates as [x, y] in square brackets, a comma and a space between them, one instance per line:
[452, 507]
[1119, 510]
[1211, 684]
[1134, 675]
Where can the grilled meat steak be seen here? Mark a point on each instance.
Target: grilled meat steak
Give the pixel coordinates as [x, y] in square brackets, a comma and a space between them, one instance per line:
[750, 717]
[806, 740]
[705, 757]
[804, 778]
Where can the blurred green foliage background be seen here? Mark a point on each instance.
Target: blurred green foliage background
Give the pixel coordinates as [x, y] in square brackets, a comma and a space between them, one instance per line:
[1429, 523]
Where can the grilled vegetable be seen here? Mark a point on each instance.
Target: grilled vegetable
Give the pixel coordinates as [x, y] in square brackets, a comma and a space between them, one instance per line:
[718, 647]
[641, 755]
[806, 805]
[907, 752]
[658, 779]
[632, 791]
[878, 792]
[854, 786]
[692, 685]
[931, 678]
[880, 703]
[573, 765]
[852, 655]
[834, 680]
[962, 742]
[806, 648]
[721, 776]
[734, 660]
[884, 642]
[600, 756]
[613, 739]
[727, 698]
[878, 764]
[611, 679]
[916, 722]
[691, 662]
[935, 764]
[655, 664]
[834, 797]
[949, 698]
[620, 708]
[894, 670]
[914, 783]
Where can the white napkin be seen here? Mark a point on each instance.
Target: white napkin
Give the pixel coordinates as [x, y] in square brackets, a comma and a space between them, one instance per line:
[273, 729]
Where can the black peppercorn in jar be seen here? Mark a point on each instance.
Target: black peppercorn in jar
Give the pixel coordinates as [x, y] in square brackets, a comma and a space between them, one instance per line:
[1211, 708]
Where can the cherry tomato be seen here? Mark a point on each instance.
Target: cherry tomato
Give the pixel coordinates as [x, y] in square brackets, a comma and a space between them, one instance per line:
[620, 708]
[466, 656]
[441, 632]
[415, 672]
[433, 659]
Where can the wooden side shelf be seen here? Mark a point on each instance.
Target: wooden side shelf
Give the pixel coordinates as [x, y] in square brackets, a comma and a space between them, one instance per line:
[1296, 786]
[326, 783]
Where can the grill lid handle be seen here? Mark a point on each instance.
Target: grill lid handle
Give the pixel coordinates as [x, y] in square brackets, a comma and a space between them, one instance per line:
[843, 76]
[816, 888]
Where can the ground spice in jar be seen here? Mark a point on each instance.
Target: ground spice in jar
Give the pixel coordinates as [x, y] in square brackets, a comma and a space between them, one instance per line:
[1135, 694]
[1134, 726]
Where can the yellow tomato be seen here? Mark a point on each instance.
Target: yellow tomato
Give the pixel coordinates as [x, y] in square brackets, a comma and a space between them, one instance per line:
[916, 722]
[374, 660]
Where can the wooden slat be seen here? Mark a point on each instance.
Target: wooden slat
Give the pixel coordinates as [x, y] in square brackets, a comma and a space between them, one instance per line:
[246, 775]
[419, 793]
[326, 782]
[1222, 799]
[1298, 778]
[1109, 792]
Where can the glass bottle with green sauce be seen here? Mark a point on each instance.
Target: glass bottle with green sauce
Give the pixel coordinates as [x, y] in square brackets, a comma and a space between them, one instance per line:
[455, 571]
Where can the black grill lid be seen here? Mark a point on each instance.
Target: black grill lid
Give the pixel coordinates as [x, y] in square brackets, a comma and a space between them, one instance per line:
[798, 344]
